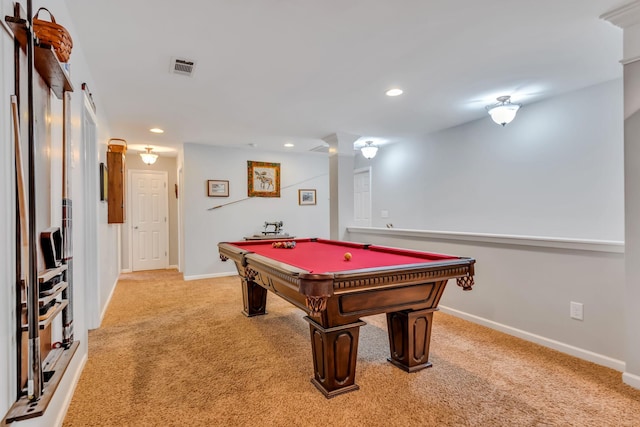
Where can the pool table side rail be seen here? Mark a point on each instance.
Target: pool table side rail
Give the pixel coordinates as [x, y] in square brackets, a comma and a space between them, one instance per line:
[449, 268]
[316, 288]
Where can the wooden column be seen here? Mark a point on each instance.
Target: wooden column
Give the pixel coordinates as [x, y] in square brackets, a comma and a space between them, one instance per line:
[341, 161]
[627, 17]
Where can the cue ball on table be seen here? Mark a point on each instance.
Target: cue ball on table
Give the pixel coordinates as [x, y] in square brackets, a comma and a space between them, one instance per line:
[347, 256]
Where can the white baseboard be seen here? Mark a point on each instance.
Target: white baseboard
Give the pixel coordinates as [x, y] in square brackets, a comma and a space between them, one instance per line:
[129, 270]
[580, 353]
[209, 276]
[631, 379]
[106, 304]
[71, 390]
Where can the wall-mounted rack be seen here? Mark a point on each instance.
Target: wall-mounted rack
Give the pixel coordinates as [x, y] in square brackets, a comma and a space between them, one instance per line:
[45, 60]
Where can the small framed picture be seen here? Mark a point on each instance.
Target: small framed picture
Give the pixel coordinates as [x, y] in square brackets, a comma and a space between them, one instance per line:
[306, 197]
[217, 188]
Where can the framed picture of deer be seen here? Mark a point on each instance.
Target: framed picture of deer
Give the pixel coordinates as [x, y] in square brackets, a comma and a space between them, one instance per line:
[263, 179]
[216, 188]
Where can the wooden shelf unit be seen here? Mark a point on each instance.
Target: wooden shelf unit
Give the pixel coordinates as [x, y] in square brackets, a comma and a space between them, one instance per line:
[55, 357]
[45, 60]
[54, 368]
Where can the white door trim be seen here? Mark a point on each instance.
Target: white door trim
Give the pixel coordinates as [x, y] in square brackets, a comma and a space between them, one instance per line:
[91, 244]
[180, 216]
[130, 215]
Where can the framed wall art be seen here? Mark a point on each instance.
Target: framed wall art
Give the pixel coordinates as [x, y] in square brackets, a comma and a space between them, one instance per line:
[306, 197]
[263, 179]
[217, 188]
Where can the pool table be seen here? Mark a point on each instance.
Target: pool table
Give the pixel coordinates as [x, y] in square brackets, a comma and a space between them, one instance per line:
[336, 292]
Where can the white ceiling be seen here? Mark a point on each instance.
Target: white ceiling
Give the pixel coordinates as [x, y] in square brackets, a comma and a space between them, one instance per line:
[275, 71]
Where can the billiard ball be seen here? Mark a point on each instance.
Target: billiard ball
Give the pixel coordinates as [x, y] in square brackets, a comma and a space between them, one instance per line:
[347, 256]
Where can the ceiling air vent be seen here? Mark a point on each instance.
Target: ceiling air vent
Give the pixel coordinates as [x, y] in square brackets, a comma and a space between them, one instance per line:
[324, 148]
[182, 66]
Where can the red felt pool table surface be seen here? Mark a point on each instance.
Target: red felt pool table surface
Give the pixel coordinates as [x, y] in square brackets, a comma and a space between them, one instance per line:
[327, 256]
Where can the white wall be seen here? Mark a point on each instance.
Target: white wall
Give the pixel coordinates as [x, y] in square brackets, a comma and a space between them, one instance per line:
[107, 248]
[556, 170]
[204, 229]
[524, 288]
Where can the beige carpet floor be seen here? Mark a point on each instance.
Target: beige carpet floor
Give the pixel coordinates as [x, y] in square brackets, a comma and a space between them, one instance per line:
[176, 353]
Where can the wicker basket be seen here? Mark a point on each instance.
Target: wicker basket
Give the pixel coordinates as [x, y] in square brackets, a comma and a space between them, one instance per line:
[54, 35]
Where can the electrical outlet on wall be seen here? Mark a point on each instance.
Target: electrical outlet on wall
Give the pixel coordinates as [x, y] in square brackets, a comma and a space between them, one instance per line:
[576, 310]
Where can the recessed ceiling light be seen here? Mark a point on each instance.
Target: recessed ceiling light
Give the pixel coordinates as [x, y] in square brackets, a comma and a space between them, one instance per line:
[289, 145]
[156, 130]
[394, 92]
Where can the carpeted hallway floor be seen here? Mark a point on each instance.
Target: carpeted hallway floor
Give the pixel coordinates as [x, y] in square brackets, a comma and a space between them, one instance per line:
[175, 353]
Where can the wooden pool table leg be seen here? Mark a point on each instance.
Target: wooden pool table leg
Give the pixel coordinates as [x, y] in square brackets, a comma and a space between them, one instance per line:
[254, 298]
[409, 337]
[335, 352]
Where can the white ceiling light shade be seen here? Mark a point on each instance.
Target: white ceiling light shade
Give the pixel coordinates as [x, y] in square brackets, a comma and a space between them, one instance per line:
[394, 92]
[504, 111]
[148, 157]
[369, 150]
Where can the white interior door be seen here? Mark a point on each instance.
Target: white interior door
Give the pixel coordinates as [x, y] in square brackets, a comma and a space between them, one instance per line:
[362, 197]
[149, 220]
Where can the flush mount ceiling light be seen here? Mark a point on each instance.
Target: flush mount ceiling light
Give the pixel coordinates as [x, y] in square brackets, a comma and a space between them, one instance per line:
[504, 111]
[148, 157]
[156, 130]
[394, 92]
[369, 150]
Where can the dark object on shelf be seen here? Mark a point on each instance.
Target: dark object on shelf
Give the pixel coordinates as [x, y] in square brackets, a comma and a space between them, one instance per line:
[53, 34]
[51, 242]
[47, 287]
[44, 310]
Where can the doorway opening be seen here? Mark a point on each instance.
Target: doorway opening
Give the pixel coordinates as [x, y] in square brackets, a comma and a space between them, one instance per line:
[148, 212]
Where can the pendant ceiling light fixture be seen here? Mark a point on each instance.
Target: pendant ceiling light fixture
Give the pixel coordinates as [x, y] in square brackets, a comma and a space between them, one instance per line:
[504, 111]
[148, 157]
[369, 150]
